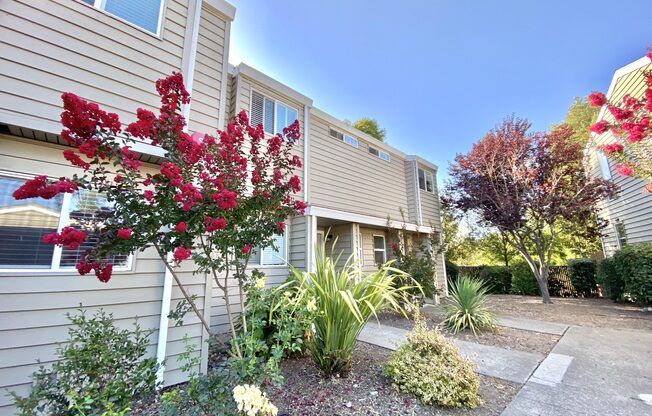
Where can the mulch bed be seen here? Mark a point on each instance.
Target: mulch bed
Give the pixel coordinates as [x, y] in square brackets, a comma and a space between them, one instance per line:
[509, 338]
[365, 391]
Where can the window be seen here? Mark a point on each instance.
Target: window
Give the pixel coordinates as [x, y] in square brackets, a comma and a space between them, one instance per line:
[621, 233]
[381, 155]
[142, 13]
[345, 138]
[24, 223]
[426, 180]
[380, 254]
[272, 255]
[272, 114]
[604, 166]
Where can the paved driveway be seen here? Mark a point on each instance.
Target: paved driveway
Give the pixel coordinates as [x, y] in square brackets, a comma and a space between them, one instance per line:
[591, 371]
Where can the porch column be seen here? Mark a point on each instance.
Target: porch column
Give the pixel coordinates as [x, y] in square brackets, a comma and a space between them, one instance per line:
[311, 241]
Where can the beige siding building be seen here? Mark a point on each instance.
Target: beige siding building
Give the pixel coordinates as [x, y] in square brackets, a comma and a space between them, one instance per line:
[630, 212]
[359, 190]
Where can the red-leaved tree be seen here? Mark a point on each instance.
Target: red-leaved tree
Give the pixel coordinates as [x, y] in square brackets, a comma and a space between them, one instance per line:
[212, 200]
[523, 183]
[632, 130]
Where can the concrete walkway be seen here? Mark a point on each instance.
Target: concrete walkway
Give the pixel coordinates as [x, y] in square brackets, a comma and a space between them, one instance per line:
[511, 365]
[591, 371]
[531, 325]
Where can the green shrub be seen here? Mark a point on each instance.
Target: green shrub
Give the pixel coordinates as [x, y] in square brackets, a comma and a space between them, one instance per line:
[581, 273]
[467, 306]
[497, 278]
[100, 371]
[278, 319]
[634, 264]
[433, 370]
[417, 268]
[346, 300]
[203, 394]
[523, 280]
[452, 271]
[612, 283]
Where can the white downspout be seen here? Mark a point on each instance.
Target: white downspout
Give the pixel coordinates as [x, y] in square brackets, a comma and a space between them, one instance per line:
[312, 220]
[188, 71]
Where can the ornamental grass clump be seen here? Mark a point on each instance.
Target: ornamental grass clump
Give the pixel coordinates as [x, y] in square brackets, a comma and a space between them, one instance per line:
[433, 370]
[467, 308]
[346, 300]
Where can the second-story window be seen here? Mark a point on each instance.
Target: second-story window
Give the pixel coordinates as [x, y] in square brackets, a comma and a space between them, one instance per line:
[272, 114]
[426, 181]
[604, 166]
[142, 13]
[344, 137]
[381, 155]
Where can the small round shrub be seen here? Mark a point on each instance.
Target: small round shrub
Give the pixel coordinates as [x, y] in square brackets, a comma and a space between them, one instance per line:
[612, 283]
[582, 275]
[523, 280]
[634, 264]
[433, 370]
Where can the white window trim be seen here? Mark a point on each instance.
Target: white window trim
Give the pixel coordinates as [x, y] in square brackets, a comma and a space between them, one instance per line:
[64, 216]
[426, 175]
[344, 137]
[285, 254]
[276, 103]
[380, 153]
[100, 4]
[384, 249]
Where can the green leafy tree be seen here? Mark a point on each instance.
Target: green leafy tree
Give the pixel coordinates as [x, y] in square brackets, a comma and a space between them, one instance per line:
[496, 248]
[579, 118]
[371, 127]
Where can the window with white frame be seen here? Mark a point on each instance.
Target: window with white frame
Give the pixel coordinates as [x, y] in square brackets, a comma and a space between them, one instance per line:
[604, 166]
[23, 223]
[621, 233]
[426, 180]
[272, 114]
[380, 253]
[271, 256]
[351, 141]
[145, 14]
[379, 153]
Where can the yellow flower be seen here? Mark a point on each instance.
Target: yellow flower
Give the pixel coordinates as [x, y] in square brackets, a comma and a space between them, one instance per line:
[260, 283]
[252, 402]
[312, 305]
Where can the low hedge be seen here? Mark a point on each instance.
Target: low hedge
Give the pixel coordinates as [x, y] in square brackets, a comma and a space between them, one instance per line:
[633, 265]
[581, 273]
[452, 271]
[523, 280]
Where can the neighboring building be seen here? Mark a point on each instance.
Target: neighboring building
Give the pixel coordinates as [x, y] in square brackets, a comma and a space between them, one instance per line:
[358, 189]
[630, 212]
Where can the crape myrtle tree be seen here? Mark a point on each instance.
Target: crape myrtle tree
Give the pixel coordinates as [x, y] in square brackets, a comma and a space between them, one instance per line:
[523, 183]
[212, 200]
[632, 130]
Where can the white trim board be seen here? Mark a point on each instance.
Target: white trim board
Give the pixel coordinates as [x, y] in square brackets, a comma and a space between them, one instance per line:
[364, 219]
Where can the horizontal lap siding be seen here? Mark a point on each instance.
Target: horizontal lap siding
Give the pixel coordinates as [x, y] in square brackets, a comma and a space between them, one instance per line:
[207, 85]
[33, 305]
[298, 241]
[351, 179]
[411, 190]
[50, 47]
[344, 246]
[368, 247]
[632, 206]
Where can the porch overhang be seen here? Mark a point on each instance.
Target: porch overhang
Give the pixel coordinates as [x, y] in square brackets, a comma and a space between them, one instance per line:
[365, 219]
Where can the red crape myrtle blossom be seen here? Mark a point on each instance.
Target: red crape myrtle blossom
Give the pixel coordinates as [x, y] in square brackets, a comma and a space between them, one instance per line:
[214, 197]
[631, 129]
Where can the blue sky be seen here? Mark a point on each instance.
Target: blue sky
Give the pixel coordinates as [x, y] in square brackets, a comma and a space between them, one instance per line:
[439, 74]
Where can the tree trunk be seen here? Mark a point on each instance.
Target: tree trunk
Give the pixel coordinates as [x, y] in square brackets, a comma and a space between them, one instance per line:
[545, 294]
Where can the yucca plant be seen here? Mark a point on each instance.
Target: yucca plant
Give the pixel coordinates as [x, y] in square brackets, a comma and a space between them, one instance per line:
[346, 300]
[467, 307]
